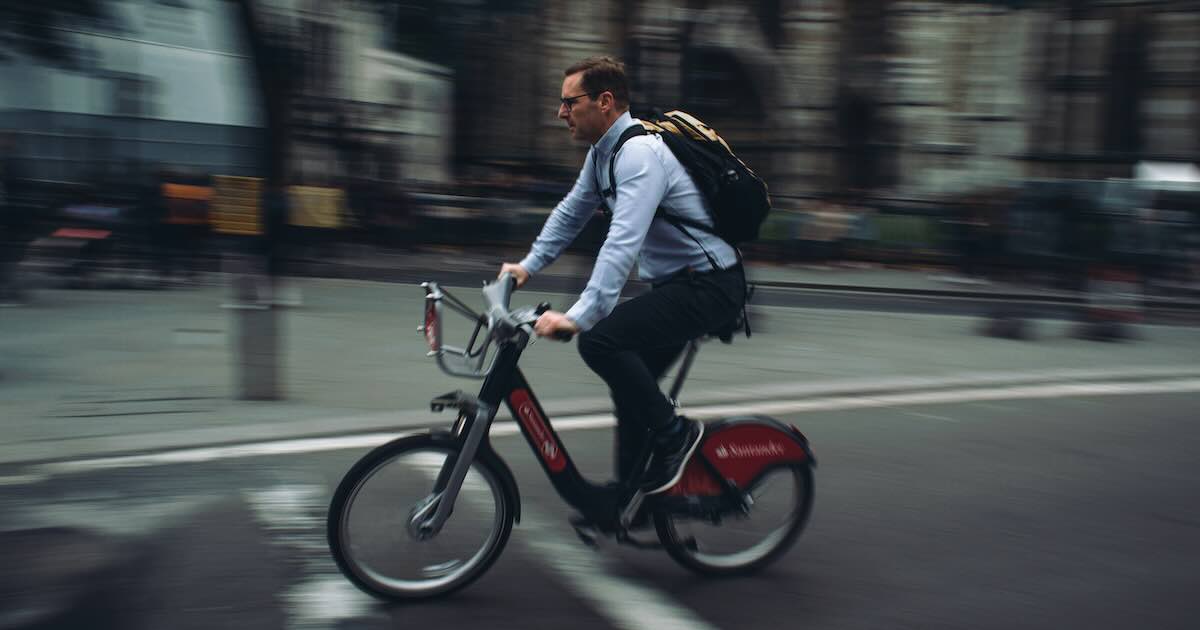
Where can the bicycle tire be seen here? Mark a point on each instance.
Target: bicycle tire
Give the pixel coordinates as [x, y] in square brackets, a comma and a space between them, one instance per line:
[684, 552]
[341, 537]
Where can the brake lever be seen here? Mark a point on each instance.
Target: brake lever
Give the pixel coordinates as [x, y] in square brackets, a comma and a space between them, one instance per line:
[560, 335]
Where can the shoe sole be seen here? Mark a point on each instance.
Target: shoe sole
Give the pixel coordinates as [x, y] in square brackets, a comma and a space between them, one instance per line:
[686, 459]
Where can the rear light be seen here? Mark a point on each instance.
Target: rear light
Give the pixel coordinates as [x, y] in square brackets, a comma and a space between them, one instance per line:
[431, 324]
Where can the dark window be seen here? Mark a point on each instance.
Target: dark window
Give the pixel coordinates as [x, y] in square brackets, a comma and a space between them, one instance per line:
[716, 84]
[133, 96]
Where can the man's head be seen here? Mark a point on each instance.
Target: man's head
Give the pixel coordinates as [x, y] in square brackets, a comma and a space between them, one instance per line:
[595, 93]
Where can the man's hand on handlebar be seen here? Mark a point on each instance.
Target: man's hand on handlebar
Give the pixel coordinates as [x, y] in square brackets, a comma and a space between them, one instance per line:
[555, 325]
[517, 272]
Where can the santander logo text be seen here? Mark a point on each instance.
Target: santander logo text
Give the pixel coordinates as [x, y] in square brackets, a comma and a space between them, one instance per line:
[743, 451]
[539, 433]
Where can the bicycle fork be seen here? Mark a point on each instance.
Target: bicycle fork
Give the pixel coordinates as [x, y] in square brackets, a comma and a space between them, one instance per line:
[429, 516]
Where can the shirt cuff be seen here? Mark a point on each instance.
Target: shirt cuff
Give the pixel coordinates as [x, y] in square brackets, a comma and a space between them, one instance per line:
[582, 318]
[532, 263]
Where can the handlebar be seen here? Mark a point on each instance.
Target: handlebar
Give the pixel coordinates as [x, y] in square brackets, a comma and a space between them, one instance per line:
[496, 295]
[500, 321]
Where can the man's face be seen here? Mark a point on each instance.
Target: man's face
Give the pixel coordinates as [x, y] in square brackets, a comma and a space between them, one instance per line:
[583, 116]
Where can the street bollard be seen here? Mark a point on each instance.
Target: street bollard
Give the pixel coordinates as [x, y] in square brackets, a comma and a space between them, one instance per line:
[256, 338]
[1007, 323]
[1114, 304]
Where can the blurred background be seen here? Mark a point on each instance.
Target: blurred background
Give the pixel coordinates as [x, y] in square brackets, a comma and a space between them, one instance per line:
[981, 136]
[213, 214]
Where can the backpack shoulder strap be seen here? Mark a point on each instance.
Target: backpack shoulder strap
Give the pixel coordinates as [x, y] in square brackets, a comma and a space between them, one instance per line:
[605, 193]
[611, 191]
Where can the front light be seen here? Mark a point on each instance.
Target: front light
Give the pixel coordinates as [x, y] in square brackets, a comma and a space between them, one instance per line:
[431, 325]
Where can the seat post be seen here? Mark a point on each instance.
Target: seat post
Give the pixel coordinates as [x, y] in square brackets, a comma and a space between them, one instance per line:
[684, 367]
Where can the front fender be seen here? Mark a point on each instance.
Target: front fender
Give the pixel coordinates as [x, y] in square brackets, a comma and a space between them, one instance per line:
[493, 460]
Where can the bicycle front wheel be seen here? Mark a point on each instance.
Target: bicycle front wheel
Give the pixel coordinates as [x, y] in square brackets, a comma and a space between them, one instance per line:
[740, 544]
[370, 522]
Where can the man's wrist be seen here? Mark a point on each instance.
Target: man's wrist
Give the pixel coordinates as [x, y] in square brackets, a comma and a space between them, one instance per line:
[529, 264]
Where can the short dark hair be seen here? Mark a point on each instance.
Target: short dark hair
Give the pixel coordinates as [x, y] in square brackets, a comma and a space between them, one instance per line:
[603, 74]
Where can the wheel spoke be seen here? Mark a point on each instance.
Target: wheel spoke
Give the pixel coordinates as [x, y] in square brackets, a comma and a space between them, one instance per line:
[375, 542]
[743, 542]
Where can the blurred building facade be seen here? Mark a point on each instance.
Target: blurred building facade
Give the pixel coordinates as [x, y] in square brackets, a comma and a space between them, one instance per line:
[157, 83]
[918, 99]
[170, 84]
[359, 110]
[903, 98]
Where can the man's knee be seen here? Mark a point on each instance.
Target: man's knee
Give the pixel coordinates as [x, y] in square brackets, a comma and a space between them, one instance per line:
[591, 346]
[597, 344]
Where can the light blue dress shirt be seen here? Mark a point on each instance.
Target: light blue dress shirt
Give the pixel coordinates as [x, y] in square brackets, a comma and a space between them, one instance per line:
[648, 176]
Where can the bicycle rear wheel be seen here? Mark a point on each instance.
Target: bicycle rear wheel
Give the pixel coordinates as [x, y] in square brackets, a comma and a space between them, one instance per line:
[743, 543]
[370, 533]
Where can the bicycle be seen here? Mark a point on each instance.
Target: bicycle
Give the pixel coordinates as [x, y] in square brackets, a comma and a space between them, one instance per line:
[400, 547]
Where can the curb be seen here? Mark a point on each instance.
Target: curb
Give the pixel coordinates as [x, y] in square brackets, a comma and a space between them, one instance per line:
[401, 275]
[558, 282]
[407, 420]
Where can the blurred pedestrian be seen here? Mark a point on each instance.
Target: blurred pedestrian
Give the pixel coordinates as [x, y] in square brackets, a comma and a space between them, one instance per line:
[147, 217]
[275, 244]
[187, 225]
[15, 222]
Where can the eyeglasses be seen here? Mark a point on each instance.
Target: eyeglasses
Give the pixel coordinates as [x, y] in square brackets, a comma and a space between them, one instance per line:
[569, 101]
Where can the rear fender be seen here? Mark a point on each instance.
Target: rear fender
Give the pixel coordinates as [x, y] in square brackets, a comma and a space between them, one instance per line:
[741, 449]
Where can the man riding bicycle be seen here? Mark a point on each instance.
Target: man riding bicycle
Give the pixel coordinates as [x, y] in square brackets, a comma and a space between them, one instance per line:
[698, 284]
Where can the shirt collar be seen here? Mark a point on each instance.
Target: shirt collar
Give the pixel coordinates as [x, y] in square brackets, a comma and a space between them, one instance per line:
[610, 137]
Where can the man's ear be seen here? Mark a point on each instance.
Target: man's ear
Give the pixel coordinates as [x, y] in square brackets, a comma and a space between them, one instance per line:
[607, 101]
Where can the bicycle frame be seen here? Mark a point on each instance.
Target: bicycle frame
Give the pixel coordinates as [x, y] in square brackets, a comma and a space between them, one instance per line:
[504, 383]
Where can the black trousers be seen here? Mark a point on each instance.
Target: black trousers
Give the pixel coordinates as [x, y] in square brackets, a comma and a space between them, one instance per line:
[632, 347]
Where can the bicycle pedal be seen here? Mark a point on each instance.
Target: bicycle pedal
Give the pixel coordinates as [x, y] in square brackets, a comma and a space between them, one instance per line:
[626, 539]
[589, 535]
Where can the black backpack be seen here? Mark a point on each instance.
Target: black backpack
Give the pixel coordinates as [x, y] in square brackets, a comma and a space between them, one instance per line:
[738, 198]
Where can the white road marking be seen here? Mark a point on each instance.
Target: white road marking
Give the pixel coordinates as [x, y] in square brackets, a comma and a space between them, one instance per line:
[294, 515]
[595, 421]
[591, 576]
[112, 515]
[321, 601]
[901, 384]
[929, 416]
[1062, 390]
[22, 480]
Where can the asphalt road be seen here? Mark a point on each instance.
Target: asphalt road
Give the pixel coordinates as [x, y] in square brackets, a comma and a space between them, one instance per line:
[1069, 512]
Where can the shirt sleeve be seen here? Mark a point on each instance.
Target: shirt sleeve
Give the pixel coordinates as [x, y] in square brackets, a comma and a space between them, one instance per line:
[566, 221]
[641, 183]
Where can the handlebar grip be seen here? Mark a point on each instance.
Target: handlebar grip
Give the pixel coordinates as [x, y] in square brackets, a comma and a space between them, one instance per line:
[512, 281]
[563, 336]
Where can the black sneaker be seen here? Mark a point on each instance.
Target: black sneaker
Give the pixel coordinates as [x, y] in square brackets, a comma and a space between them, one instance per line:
[670, 459]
